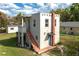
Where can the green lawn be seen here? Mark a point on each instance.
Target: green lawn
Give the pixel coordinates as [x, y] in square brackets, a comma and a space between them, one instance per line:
[71, 45]
[8, 47]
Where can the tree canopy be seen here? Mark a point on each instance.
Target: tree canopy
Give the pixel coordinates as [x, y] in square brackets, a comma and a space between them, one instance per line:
[3, 20]
[69, 14]
[18, 19]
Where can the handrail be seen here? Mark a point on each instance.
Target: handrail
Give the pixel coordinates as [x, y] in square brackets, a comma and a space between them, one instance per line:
[32, 39]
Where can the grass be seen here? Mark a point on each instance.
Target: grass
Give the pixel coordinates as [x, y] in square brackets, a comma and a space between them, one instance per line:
[71, 42]
[71, 45]
[8, 47]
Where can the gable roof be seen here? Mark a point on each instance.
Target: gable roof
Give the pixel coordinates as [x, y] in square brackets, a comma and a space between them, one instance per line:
[69, 24]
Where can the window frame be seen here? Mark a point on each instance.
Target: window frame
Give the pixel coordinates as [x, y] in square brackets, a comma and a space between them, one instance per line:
[46, 22]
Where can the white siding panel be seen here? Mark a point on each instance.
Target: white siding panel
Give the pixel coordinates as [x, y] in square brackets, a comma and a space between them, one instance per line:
[57, 29]
[14, 30]
[44, 42]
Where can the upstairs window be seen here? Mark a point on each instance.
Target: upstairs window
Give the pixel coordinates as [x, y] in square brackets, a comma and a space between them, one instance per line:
[34, 22]
[46, 22]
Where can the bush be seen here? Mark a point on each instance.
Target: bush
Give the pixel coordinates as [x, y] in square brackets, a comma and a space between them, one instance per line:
[3, 31]
[62, 33]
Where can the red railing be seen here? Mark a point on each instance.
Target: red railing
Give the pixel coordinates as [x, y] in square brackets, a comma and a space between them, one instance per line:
[33, 42]
[32, 39]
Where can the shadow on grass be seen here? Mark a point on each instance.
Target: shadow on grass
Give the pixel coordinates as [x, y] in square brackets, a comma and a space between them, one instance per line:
[9, 42]
[12, 42]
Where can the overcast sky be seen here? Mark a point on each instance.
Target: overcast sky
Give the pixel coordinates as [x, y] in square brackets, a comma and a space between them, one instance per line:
[13, 9]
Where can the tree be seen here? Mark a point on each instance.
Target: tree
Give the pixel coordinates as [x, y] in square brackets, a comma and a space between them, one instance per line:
[18, 18]
[69, 14]
[74, 9]
[3, 19]
[3, 22]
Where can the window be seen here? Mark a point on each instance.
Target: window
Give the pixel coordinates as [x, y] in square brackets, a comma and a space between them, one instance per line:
[34, 23]
[55, 22]
[46, 22]
[70, 28]
[12, 28]
[64, 28]
[36, 37]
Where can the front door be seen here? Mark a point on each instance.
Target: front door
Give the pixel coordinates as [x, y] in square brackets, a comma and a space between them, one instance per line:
[49, 38]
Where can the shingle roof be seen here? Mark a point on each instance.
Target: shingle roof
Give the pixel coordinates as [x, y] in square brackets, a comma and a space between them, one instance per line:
[69, 24]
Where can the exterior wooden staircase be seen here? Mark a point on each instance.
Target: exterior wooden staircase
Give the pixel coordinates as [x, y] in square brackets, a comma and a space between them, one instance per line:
[36, 46]
[33, 41]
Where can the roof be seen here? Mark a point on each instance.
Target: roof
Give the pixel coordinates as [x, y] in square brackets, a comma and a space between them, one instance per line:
[12, 25]
[45, 14]
[69, 24]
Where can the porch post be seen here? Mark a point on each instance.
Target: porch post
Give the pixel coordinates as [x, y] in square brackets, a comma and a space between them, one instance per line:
[22, 35]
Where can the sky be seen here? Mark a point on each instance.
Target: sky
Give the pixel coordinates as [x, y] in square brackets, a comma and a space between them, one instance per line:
[12, 9]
